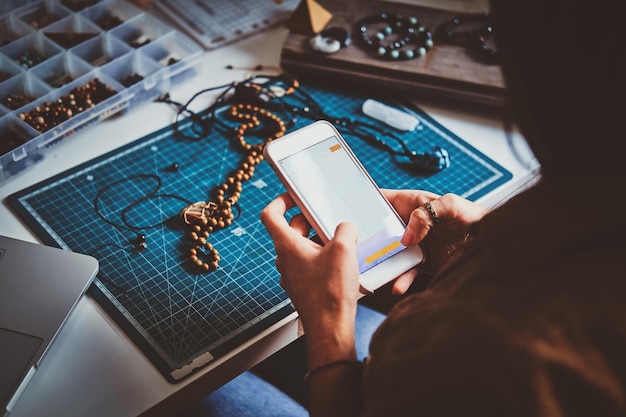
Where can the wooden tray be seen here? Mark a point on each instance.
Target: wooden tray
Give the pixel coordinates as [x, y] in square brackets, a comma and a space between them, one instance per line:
[447, 71]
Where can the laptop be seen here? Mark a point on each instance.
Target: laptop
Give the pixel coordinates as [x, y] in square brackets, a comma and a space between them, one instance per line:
[39, 287]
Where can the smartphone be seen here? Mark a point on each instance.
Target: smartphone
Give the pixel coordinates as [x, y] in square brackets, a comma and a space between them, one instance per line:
[330, 185]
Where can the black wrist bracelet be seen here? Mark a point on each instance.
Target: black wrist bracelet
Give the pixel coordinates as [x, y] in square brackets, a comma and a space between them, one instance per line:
[356, 364]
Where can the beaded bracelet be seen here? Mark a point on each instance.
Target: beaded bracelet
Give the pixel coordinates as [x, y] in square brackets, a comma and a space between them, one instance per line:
[350, 362]
[407, 29]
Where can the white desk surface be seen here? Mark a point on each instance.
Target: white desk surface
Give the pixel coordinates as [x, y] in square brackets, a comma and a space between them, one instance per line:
[93, 368]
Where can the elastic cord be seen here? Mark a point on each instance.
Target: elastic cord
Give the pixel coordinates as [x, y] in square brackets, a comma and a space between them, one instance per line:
[349, 362]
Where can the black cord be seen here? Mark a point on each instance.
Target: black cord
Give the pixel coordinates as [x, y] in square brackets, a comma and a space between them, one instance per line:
[435, 160]
[261, 91]
[201, 122]
[150, 195]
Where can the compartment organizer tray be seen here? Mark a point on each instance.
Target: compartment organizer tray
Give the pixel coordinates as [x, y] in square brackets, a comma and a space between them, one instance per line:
[65, 64]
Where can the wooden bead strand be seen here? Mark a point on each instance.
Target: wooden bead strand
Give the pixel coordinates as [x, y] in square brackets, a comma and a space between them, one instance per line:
[207, 217]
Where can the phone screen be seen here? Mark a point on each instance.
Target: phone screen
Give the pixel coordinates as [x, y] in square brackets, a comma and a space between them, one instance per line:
[336, 189]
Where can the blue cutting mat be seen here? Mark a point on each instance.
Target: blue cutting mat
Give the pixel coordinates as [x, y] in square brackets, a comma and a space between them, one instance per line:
[176, 315]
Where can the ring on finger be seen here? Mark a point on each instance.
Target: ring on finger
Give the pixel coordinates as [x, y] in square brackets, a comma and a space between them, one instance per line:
[431, 212]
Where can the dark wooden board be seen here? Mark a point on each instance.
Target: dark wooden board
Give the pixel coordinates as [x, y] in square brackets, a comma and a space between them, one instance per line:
[449, 72]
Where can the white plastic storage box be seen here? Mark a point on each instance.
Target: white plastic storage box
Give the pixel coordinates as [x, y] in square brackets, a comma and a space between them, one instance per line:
[54, 53]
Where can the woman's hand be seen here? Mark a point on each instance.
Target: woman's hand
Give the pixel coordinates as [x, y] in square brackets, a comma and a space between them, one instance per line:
[455, 215]
[322, 281]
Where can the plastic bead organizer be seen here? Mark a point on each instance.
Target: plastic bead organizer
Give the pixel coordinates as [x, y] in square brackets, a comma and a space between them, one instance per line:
[65, 64]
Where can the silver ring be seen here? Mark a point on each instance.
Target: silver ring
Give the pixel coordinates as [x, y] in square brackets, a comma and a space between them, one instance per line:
[431, 212]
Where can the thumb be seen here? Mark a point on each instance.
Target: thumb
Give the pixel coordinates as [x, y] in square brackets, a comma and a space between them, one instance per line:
[346, 232]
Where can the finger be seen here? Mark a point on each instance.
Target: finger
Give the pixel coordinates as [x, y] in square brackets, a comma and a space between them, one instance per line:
[273, 216]
[345, 240]
[301, 224]
[283, 235]
[420, 222]
[405, 201]
[346, 232]
[403, 282]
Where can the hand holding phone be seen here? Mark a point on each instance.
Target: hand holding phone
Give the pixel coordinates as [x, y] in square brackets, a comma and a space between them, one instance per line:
[330, 185]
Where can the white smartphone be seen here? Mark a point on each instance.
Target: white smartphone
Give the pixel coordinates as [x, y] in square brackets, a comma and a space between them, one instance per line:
[330, 185]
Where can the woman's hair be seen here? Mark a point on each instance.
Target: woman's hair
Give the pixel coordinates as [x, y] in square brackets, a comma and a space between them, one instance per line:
[564, 67]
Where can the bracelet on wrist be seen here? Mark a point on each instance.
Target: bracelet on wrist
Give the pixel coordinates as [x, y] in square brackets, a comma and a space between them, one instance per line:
[352, 363]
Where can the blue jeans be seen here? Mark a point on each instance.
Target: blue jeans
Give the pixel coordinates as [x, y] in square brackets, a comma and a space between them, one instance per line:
[274, 387]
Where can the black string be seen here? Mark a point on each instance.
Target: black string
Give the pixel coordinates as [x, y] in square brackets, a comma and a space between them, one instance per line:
[150, 195]
[373, 134]
[201, 122]
[134, 249]
[291, 106]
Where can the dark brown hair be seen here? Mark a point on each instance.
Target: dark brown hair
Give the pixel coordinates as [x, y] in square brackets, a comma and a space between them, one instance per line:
[564, 65]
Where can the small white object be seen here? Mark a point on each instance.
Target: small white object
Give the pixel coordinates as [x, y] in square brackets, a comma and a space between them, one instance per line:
[325, 44]
[389, 115]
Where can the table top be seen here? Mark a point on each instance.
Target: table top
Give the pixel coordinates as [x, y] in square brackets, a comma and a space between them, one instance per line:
[93, 368]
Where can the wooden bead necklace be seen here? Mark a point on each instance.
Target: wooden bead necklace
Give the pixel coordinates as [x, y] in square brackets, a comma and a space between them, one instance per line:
[206, 217]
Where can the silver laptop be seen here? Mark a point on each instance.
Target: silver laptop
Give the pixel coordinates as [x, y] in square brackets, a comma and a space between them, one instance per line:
[39, 287]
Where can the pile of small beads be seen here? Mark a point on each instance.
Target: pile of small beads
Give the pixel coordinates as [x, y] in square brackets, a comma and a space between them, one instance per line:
[131, 79]
[42, 18]
[107, 22]
[79, 99]
[15, 101]
[401, 38]
[77, 5]
[30, 58]
[206, 217]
